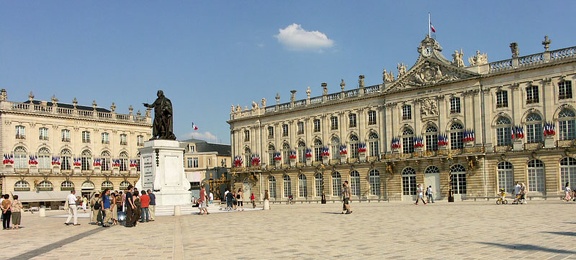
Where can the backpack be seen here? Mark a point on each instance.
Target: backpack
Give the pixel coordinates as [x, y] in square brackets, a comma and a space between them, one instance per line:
[97, 205]
[426, 192]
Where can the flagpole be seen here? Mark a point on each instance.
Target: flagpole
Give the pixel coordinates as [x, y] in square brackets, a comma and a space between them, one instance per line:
[429, 25]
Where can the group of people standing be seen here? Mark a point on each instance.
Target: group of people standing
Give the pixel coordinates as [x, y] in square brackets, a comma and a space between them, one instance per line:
[234, 200]
[11, 209]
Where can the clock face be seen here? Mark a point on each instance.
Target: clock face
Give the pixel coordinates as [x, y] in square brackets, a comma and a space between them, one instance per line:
[427, 51]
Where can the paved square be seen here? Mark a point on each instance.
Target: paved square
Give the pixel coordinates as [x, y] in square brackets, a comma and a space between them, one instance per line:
[395, 230]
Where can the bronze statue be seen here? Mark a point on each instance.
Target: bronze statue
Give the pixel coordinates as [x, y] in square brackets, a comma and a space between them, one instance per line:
[163, 122]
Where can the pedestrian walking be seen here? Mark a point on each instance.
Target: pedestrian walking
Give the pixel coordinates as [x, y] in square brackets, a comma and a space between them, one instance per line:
[202, 203]
[567, 192]
[72, 209]
[240, 200]
[253, 200]
[16, 208]
[420, 194]
[429, 194]
[346, 194]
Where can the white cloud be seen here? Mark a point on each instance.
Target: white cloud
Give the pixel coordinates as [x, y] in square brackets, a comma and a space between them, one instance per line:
[206, 136]
[294, 37]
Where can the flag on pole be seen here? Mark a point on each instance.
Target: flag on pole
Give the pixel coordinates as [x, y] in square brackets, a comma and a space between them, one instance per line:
[432, 28]
[194, 126]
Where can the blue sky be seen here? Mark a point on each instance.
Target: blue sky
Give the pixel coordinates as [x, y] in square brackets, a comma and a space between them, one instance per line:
[208, 55]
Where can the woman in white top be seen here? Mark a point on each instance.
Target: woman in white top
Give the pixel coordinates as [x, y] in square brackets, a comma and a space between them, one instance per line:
[420, 193]
[567, 192]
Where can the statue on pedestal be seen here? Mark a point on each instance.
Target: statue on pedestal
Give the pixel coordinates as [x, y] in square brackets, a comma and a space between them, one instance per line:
[162, 128]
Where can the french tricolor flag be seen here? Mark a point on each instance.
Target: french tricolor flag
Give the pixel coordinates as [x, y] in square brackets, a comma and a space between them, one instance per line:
[194, 126]
[432, 28]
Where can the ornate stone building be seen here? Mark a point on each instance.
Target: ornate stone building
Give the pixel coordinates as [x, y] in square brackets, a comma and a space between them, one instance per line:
[50, 148]
[464, 130]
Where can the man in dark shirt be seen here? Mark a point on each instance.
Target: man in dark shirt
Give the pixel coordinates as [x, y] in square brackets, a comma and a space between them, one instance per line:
[229, 199]
[152, 206]
[130, 207]
[106, 207]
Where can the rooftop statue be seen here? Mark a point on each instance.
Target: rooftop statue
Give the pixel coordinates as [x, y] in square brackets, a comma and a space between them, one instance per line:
[162, 128]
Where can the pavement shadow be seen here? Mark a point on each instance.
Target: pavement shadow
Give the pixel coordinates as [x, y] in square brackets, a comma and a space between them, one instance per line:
[332, 212]
[563, 233]
[526, 247]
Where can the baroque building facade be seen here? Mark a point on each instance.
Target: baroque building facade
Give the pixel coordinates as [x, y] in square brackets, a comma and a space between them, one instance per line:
[467, 131]
[50, 148]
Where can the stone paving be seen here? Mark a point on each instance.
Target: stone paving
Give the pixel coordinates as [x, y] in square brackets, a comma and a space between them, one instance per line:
[385, 230]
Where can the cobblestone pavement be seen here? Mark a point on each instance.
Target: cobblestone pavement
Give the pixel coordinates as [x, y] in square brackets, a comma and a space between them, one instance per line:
[395, 230]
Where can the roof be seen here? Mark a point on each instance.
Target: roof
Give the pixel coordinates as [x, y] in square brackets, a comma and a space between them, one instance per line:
[203, 146]
[69, 106]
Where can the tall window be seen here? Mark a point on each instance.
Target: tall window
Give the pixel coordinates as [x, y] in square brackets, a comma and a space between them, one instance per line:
[271, 151]
[407, 140]
[86, 160]
[352, 120]
[21, 186]
[566, 125]
[431, 136]
[534, 128]
[406, 112]
[45, 186]
[123, 161]
[300, 126]
[336, 184]
[455, 105]
[20, 132]
[272, 186]
[371, 117]
[123, 139]
[353, 146]
[140, 140]
[409, 181]
[43, 135]
[246, 135]
[458, 179]
[568, 171]
[107, 185]
[355, 183]
[301, 152]
[270, 132]
[85, 137]
[66, 159]
[318, 150]
[124, 185]
[374, 181]
[316, 125]
[503, 131]
[502, 98]
[565, 90]
[302, 186]
[20, 158]
[284, 130]
[532, 96]
[287, 186]
[105, 138]
[536, 176]
[456, 136]
[374, 149]
[333, 123]
[105, 161]
[319, 184]
[506, 177]
[44, 158]
[248, 156]
[65, 133]
[66, 186]
[335, 143]
[286, 153]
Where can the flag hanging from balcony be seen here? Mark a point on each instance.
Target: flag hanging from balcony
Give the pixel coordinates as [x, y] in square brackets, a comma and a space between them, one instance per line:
[308, 153]
[396, 143]
[325, 152]
[362, 147]
[237, 161]
[277, 156]
[343, 150]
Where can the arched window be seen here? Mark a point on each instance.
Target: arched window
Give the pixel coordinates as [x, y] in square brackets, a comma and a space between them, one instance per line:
[355, 183]
[407, 140]
[431, 136]
[248, 156]
[353, 146]
[456, 136]
[65, 159]
[534, 128]
[44, 159]
[458, 179]
[506, 177]
[568, 171]
[123, 161]
[319, 184]
[335, 144]
[374, 181]
[373, 148]
[336, 184]
[20, 158]
[45, 186]
[86, 160]
[431, 169]
[271, 151]
[105, 161]
[302, 186]
[88, 185]
[67, 186]
[287, 186]
[21, 185]
[318, 150]
[301, 152]
[107, 185]
[536, 176]
[286, 153]
[567, 125]
[409, 181]
[272, 186]
[124, 185]
[503, 131]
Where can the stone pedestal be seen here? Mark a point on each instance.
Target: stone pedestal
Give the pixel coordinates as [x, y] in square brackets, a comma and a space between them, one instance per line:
[162, 170]
[33, 169]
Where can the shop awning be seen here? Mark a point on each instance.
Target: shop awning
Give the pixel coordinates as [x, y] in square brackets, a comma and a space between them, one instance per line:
[41, 196]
